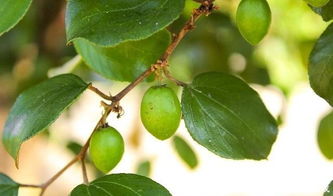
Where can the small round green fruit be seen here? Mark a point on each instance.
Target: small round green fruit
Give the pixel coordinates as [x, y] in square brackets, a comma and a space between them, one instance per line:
[160, 112]
[253, 19]
[317, 3]
[106, 148]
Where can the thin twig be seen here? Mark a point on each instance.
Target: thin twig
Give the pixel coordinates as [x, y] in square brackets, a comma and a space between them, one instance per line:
[139, 79]
[51, 180]
[79, 156]
[29, 186]
[84, 169]
[98, 92]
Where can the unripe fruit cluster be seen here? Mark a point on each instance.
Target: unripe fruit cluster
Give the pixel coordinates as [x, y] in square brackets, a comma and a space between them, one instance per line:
[160, 114]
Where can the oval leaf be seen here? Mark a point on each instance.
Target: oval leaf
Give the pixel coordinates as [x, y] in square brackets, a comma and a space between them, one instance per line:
[121, 184]
[36, 108]
[325, 136]
[7, 186]
[109, 23]
[11, 12]
[185, 151]
[326, 12]
[226, 116]
[329, 190]
[321, 66]
[126, 61]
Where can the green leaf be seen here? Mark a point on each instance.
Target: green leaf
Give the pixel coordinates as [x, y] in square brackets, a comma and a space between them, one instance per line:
[326, 11]
[11, 12]
[126, 61]
[185, 152]
[144, 168]
[329, 190]
[74, 147]
[7, 186]
[321, 66]
[325, 136]
[36, 108]
[226, 116]
[109, 23]
[121, 185]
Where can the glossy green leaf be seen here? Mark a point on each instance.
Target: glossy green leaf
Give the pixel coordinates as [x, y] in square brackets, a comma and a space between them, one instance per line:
[226, 116]
[36, 108]
[126, 61]
[185, 151]
[326, 12]
[144, 168]
[329, 190]
[321, 66]
[121, 185]
[11, 12]
[109, 23]
[325, 136]
[7, 186]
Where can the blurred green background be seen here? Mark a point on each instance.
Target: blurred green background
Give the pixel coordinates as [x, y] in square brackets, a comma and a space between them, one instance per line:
[36, 49]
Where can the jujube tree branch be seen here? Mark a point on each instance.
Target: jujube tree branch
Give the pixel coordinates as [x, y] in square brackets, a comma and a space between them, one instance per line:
[205, 8]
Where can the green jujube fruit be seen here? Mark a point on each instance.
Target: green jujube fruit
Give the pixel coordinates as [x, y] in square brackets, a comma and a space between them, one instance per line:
[325, 136]
[106, 148]
[160, 111]
[317, 3]
[253, 19]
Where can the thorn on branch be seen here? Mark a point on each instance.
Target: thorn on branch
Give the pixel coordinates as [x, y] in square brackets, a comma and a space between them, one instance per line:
[113, 107]
[121, 112]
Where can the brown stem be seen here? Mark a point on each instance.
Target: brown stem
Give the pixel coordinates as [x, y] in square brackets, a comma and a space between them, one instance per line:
[189, 25]
[79, 156]
[98, 92]
[139, 79]
[29, 186]
[84, 170]
[51, 180]
[205, 9]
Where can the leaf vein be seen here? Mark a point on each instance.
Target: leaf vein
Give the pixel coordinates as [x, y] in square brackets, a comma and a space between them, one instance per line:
[126, 187]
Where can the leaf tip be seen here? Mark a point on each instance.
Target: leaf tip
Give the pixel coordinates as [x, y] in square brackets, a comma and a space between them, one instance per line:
[16, 159]
[17, 164]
